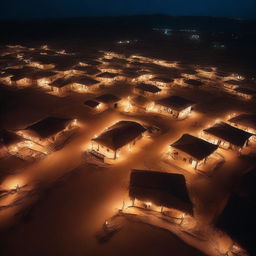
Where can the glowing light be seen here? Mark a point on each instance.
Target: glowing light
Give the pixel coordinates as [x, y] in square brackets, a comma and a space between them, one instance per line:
[148, 204]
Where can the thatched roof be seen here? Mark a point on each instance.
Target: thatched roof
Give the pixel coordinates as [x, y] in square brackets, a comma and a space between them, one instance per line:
[8, 138]
[175, 102]
[91, 103]
[148, 88]
[120, 134]
[193, 82]
[107, 75]
[163, 189]
[229, 133]
[108, 98]
[48, 126]
[247, 120]
[195, 147]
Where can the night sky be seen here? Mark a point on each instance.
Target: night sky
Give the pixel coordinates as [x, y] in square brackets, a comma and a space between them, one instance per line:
[245, 9]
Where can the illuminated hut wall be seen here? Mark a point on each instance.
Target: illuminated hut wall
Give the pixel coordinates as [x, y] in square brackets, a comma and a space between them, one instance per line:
[174, 106]
[31, 133]
[247, 94]
[142, 78]
[36, 64]
[44, 78]
[177, 114]
[227, 136]
[191, 150]
[147, 90]
[108, 101]
[246, 122]
[14, 149]
[158, 190]
[186, 158]
[14, 144]
[162, 82]
[113, 154]
[22, 82]
[6, 79]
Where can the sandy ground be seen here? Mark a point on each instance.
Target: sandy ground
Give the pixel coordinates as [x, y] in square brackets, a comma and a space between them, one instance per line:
[76, 198]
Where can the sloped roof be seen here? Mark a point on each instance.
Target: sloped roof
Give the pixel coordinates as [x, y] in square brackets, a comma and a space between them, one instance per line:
[49, 126]
[175, 102]
[195, 147]
[162, 79]
[8, 138]
[42, 74]
[107, 75]
[229, 133]
[90, 70]
[86, 80]
[245, 91]
[91, 103]
[61, 82]
[120, 134]
[238, 217]
[233, 82]
[163, 189]
[148, 88]
[193, 82]
[248, 120]
[108, 98]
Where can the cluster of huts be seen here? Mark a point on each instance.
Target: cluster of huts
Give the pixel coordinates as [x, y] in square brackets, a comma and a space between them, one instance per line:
[226, 135]
[38, 139]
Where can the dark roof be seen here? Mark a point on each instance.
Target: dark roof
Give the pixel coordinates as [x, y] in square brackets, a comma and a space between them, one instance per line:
[207, 69]
[49, 126]
[247, 120]
[233, 82]
[86, 80]
[18, 77]
[148, 88]
[108, 98]
[193, 82]
[21, 71]
[163, 189]
[90, 70]
[64, 67]
[61, 82]
[238, 217]
[107, 75]
[245, 91]
[42, 74]
[229, 133]
[162, 79]
[91, 103]
[175, 102]
[195, 147]
[189, 71]
[91, 62]
[8, 138]
[120, 134]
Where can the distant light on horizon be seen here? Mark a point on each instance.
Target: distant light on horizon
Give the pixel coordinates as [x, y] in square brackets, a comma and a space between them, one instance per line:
[244, 9]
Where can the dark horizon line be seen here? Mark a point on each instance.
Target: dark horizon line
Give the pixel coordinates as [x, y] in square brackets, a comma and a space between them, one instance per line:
[123, 16]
